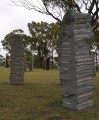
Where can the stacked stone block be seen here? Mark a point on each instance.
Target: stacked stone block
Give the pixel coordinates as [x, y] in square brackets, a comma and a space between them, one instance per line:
[17, 60]
[75, 63]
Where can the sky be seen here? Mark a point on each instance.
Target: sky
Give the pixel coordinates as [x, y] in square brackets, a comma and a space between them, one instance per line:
[13, 17]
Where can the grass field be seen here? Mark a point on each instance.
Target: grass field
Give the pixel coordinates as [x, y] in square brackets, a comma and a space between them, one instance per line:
[40, 98]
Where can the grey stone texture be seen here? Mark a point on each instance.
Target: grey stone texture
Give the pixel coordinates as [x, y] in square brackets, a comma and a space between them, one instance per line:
[75, 63]
[17, 60]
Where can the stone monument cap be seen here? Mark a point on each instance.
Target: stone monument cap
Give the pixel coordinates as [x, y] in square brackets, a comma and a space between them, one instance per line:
[72, 16]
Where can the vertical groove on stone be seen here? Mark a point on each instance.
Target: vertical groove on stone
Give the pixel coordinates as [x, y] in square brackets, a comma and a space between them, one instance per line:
[75, 63]
[17, 60]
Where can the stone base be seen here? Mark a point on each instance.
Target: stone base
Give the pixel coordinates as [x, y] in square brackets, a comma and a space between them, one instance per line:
[78, 106]
[13, 83]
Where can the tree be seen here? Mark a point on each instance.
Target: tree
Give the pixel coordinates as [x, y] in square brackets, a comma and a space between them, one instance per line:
[54, 31]
[96, 50]
[26, 41]
[7, 61]
[57, 8]
[44, 37]
[38, 44]
[2, 60]
[92, 7]
[54, 8]
[5, 42]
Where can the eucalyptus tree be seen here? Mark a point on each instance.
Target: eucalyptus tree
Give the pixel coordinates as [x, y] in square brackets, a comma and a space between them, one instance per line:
[57, 8]
[44, 39]
[26, 41]
[5, 41]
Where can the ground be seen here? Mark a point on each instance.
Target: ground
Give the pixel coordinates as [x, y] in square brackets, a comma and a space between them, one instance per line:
[40, 98]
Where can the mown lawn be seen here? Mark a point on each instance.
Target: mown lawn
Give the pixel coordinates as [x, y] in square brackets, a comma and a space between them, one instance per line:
[40, 98]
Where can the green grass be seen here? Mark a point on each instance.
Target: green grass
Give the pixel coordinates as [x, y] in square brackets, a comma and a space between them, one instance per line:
[39, 98]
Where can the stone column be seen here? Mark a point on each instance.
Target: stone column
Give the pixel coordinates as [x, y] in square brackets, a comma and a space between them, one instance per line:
[17, 60]
[75, 63]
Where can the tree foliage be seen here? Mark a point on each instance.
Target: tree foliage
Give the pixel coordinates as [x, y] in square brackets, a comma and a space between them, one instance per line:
[2, 60]
[7, 38]
[44, 38]
[42, 41]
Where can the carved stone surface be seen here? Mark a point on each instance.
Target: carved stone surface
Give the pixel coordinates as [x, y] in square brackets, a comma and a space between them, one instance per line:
[75, 63]
[17, 60]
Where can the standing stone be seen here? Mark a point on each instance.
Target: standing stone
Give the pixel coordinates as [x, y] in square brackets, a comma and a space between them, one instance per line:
[31, 63]
[17, 60]
[7, 61]
[75, 63]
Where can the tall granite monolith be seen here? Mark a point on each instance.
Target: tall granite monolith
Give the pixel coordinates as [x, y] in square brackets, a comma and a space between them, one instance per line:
[75, 62]
[17, 60]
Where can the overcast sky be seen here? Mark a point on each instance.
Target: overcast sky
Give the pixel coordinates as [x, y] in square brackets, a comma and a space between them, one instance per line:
[13, 17]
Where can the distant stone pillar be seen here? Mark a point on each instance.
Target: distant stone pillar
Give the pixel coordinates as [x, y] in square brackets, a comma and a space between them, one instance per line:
[7, 61]
[75, 63]
[17, 60]
[31, 63]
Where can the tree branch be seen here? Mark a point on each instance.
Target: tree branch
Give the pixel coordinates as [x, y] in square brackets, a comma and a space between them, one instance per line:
[49, 13]
[91, 6]
[95, 28]
[95, 14]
